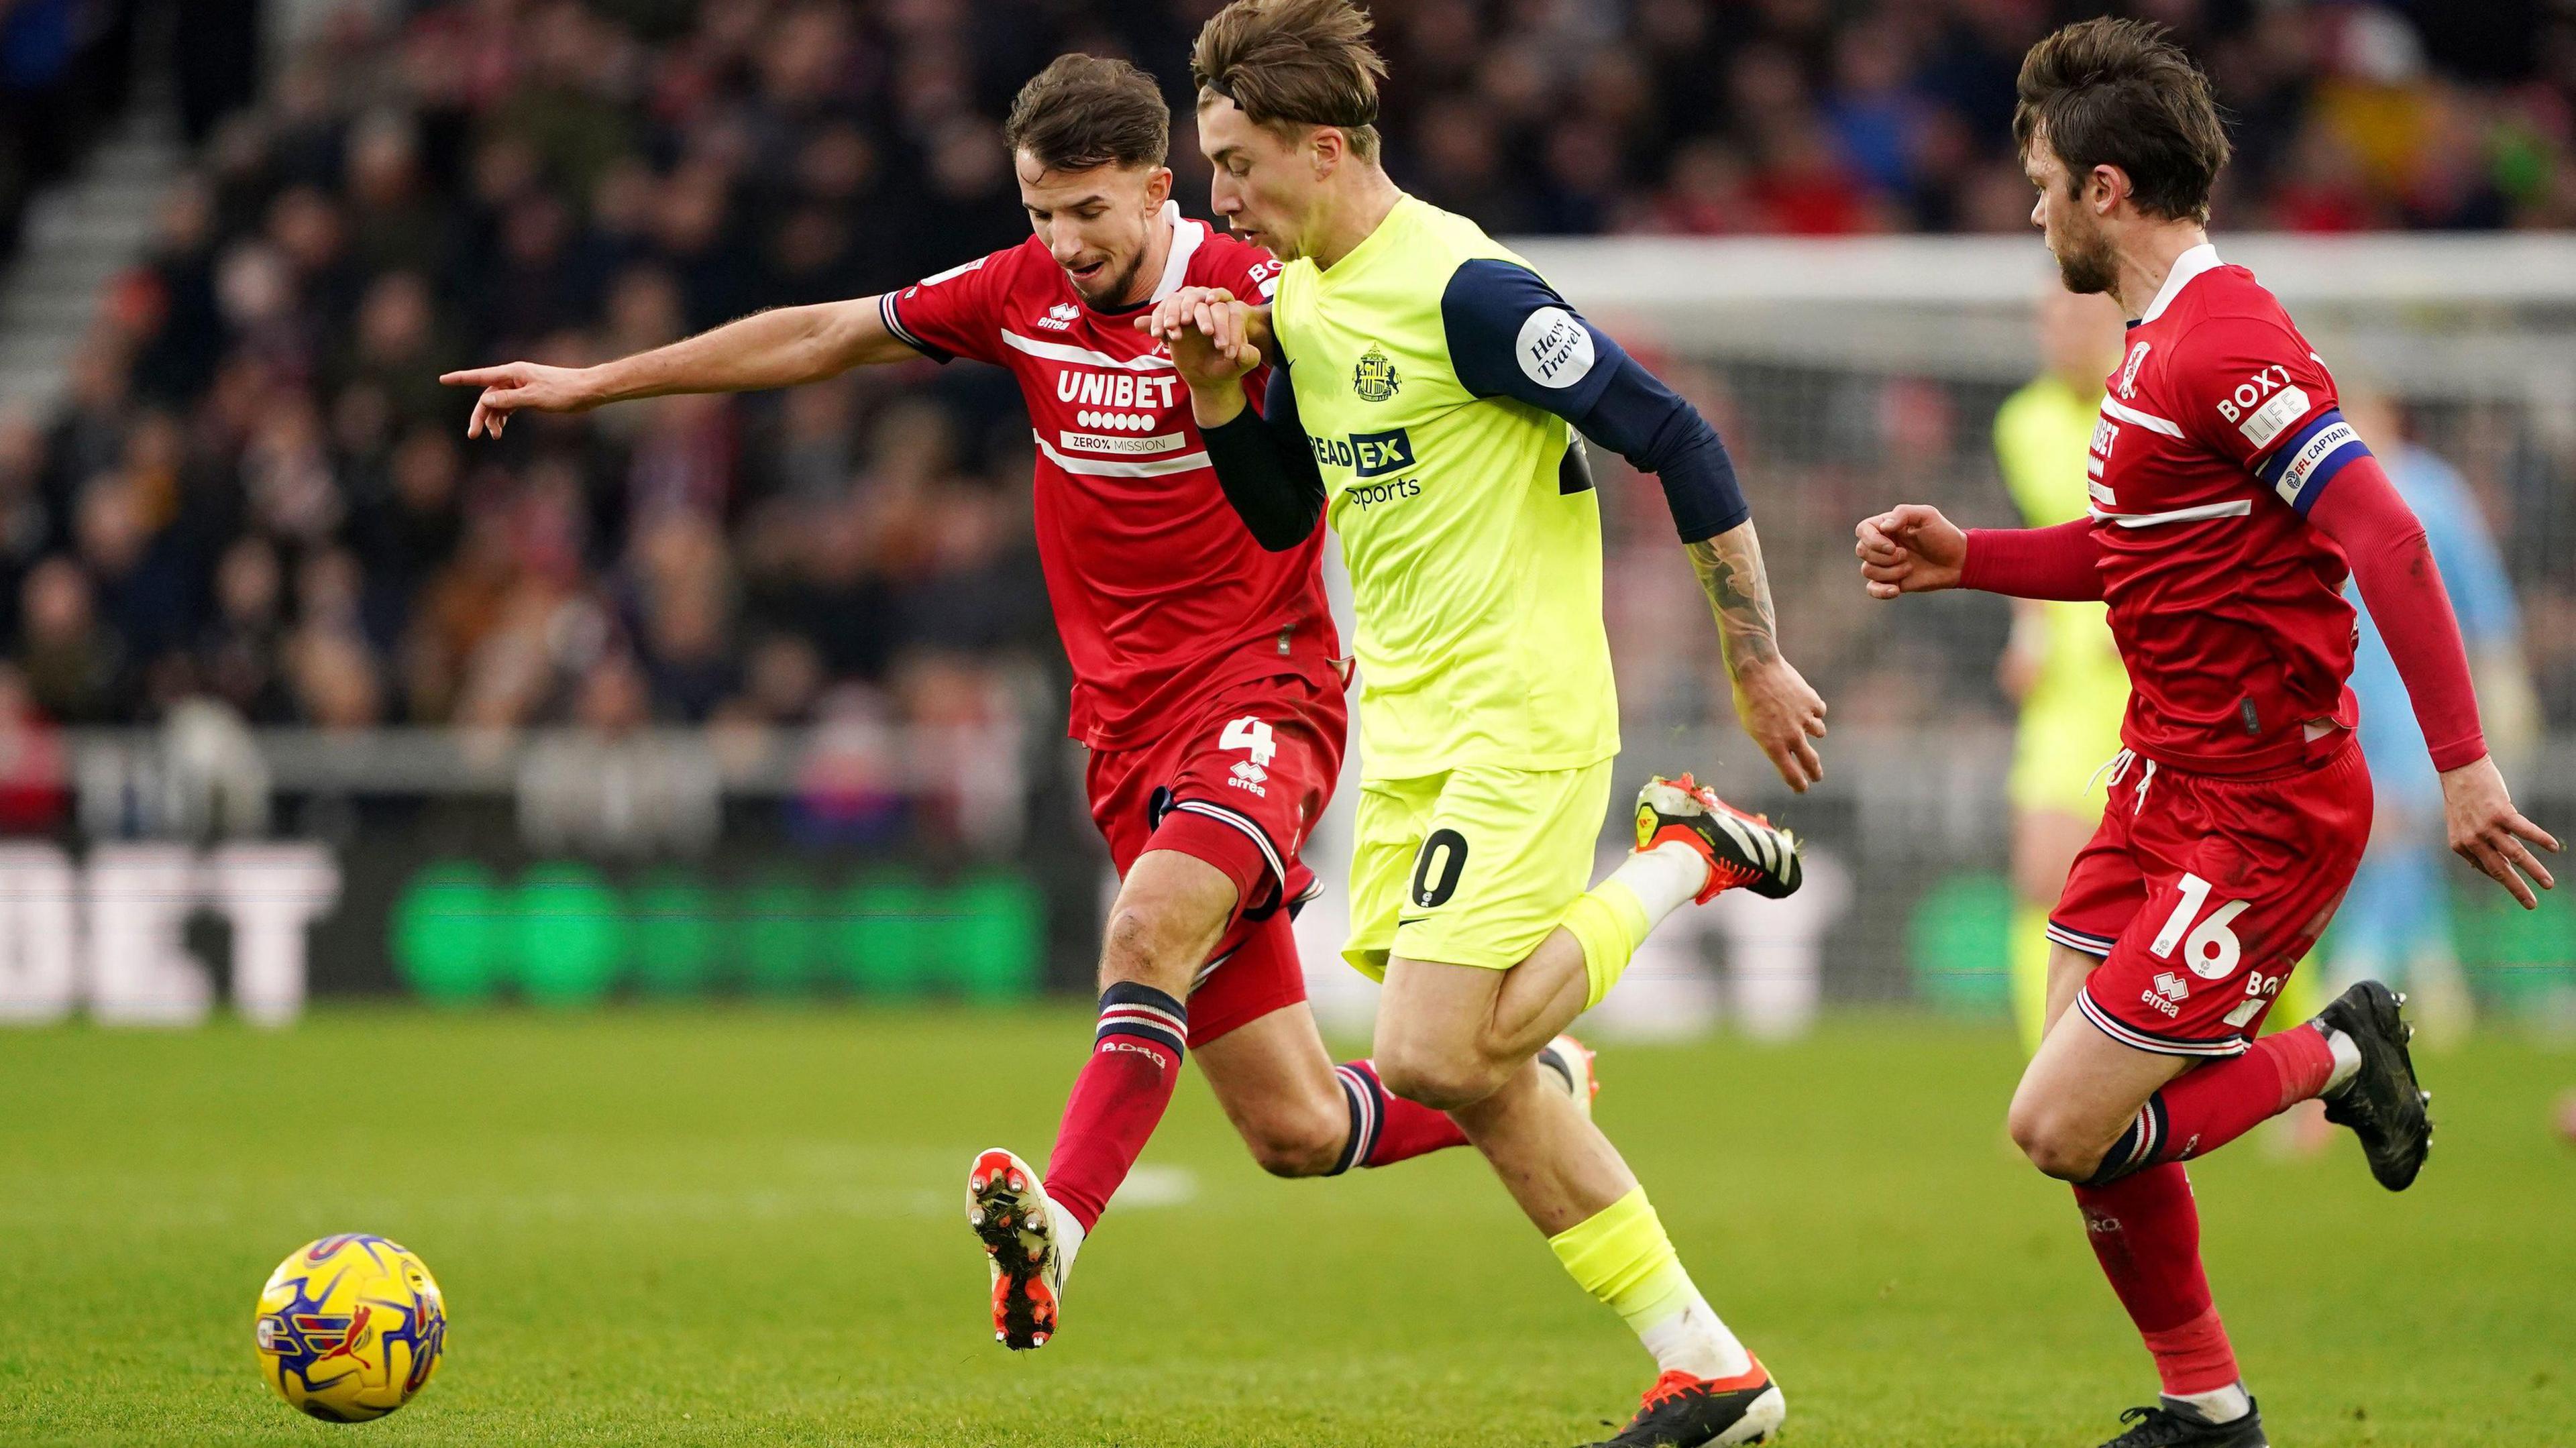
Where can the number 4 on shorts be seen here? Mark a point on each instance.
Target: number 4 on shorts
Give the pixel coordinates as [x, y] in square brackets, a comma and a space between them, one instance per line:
[1251, 734]
[2211, 949]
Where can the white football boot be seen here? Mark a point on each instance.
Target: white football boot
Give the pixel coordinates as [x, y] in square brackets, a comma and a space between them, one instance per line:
[1571, 1060]
[1031, 1243]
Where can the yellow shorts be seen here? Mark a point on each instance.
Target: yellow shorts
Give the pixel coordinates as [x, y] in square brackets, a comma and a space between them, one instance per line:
[1471, 867]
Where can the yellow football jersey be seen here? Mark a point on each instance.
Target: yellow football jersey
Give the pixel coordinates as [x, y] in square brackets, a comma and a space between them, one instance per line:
[1468, 522]
[2070, 720]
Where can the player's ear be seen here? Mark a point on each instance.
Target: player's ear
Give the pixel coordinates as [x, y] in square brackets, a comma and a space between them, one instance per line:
[2104, 186]
[1158, 188]
[1325, 145]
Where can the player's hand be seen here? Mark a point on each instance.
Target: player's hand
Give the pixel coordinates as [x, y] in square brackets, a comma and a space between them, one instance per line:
[2488, 832]
[521, 386]
[1910, 549]
[1782, 713]
[1209, 332]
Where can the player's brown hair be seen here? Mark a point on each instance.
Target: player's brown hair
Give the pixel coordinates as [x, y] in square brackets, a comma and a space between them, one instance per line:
[2121, 93]
[1291, 63]
[1083, 111]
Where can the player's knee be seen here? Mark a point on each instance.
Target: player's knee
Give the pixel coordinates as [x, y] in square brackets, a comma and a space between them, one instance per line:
[1444, 1080]
[1304, 1146]
[1144, 943]
[2055, 1142]
[1168, 915]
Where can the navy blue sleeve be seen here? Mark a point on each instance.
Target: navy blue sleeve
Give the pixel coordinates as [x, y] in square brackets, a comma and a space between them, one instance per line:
[1279, 398]
[1266, 468]
[1511, 335]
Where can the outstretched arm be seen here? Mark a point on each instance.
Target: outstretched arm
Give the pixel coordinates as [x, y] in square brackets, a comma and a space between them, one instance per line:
[777, 348]
[1911, 548]
[2393, 563]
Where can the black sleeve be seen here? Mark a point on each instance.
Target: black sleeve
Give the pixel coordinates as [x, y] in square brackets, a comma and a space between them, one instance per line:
[1511, 335]
[1267, 468]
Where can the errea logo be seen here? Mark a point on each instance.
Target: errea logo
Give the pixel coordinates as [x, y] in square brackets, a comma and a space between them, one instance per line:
[1060, 316]
[2169, 993]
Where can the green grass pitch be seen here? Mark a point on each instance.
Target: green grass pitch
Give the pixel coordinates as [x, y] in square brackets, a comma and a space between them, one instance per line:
[742, 1226]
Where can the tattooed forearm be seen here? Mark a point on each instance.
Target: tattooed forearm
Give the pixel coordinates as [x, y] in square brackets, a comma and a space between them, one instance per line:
[1730, 573]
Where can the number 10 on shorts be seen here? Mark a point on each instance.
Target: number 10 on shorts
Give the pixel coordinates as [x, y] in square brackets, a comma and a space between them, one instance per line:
[2210, 949]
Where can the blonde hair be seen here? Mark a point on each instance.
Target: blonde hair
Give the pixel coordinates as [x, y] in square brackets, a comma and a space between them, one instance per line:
[1291, 63]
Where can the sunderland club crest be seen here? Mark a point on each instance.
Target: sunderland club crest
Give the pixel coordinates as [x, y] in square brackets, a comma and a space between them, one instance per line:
[1374, 378]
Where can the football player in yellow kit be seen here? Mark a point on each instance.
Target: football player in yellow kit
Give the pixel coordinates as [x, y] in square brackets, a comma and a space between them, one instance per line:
[1427, 395]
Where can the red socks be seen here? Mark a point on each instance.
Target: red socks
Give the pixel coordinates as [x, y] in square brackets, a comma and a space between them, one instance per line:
[1385, 1128]
[1125, 1087]
[1119, 1098]
[2209, 1106]
[2138, 1210]
[2145, 1232]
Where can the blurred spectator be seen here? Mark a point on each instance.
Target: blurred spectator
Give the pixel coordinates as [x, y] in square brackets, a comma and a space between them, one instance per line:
[34, 783]
[255, 489]
[335, 681]
[238, 655]
[75, 666]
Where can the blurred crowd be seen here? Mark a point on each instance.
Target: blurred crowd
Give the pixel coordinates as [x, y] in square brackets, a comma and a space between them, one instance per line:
[1827, 116]
[258, 493]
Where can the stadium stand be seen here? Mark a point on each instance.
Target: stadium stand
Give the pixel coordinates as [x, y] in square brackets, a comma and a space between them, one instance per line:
[257, 491]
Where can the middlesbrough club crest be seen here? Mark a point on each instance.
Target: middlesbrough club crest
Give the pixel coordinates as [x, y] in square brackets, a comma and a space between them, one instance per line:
[2129, 370]
[1374, 378]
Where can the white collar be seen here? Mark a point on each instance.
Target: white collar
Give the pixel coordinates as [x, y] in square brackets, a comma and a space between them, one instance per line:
[1186, 236]
[2190, 264]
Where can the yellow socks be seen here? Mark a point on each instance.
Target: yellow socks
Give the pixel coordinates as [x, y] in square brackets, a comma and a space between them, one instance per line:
[1609, 923]
[1621, 1256]
[1620, 912]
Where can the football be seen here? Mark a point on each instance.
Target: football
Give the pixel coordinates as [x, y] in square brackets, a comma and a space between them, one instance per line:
[350, 1327]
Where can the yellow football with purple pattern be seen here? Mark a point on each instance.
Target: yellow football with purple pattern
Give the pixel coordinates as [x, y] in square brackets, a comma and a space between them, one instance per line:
[350, 1327]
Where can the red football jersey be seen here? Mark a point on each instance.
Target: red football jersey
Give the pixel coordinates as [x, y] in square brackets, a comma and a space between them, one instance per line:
[2217, 432]
[1160, 593]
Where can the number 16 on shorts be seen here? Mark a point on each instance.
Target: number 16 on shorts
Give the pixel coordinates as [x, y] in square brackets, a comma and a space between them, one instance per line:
[2210, 949]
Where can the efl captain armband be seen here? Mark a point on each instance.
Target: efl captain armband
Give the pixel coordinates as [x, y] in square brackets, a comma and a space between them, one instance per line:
[2300, 468]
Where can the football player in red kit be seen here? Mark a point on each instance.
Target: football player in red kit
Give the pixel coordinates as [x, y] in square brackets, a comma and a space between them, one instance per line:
[2230, 500]
[1206, 677]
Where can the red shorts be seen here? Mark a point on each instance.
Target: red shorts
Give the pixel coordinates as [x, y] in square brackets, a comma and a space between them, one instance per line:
[2200, 894]
[1239, 786]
